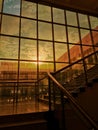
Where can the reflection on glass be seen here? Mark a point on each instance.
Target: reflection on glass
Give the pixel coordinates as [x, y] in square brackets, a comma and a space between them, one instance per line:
[12, 7]
[94, 22]
[28, 28]
[71, 18]
[86, 37]
[28, 71]
[61, 54]
[45, 51]
[73, 35]
[83, 21]
[75, 52]
[44, 12]
[58, 16]
[0, 5]
[28, 9]
[59, 33]
[87, 50]
[9, 47]
[46, 67]
[28, 49]
[95, 37]
[8, 70]
[45, 31]
[96, 49]
[10, 25]
[60, 65]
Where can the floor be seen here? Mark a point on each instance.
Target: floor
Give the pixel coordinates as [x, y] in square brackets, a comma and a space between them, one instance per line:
[22, 107]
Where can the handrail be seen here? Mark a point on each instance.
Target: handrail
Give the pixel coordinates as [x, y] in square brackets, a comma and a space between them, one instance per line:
[74, 63]
[73, 100]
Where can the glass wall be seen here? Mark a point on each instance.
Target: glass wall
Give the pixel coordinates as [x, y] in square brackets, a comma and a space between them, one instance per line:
[36, 39]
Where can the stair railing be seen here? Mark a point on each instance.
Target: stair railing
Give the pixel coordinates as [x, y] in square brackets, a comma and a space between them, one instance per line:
[72, 100]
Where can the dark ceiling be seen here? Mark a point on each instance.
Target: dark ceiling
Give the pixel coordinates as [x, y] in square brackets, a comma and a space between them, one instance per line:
[89, 6]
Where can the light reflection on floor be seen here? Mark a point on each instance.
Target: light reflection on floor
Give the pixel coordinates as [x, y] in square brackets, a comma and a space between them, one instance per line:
[22, 107]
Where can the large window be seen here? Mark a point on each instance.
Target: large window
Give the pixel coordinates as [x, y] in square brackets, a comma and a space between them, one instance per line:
[37, 38]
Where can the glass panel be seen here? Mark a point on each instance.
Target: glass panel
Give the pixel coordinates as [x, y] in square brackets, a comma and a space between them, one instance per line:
[58, 16]
[8, 70]
[71, 18]
[90, 61]
[94, 22]
[70, 76]
[28, 71]
[75, 52]
[28, 49]
[59, 33]
[44, 12]
[9, 47]
[0, 5]
[60, 65]
[28, 9]
[45, 51]
[12, 7]
[95, 37]
[87, 50]
[46, 67]
[10, 25]
[28, 28]
[83, 21]
[45, 30]
[73, 35]
[61, 54]
[77, 75]
[86, 37]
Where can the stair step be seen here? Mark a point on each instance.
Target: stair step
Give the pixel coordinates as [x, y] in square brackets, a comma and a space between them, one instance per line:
[24, 121]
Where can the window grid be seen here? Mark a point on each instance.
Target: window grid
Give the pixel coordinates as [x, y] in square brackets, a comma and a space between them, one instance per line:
[53, 63]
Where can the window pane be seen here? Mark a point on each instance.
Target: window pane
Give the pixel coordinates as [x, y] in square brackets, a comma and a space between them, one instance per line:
[45, 30]
[58, 16]
[45, 51]
[46, 67]
[9, 47]
[28, 9]
[75, 52]
[0, 5]
[83, 21]
[28, 28]
[86, 37]
[44, 12]
[59, 33]
[28, 49]
[28, 71]
[94, 22]
[8, 70]
[10, 25]
[12, 7]
[61, 54]
[73, 35]
[71, 18]
[95, 37]
[87, 50]
[60, 65]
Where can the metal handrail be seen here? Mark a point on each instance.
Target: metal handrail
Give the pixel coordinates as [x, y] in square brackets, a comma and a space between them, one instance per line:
[73, 100]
